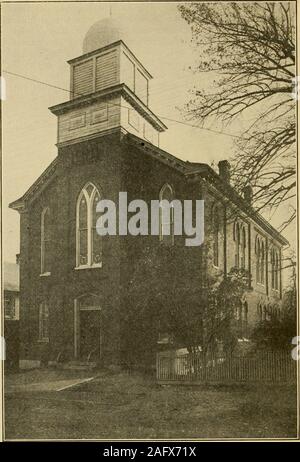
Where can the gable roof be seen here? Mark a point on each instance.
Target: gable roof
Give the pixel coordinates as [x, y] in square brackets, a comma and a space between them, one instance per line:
[188, 169]
[37, 186]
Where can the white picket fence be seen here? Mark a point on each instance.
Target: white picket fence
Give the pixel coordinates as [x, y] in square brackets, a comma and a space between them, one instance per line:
[271, 366]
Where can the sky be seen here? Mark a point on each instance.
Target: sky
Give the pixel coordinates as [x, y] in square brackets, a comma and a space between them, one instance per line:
[37, 41]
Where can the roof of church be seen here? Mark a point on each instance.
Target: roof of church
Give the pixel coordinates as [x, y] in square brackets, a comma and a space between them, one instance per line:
[11, 275]
[36, 187]
[202, 170]
[188, 169]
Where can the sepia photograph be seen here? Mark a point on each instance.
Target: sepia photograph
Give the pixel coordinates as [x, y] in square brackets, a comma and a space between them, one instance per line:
[149, 222]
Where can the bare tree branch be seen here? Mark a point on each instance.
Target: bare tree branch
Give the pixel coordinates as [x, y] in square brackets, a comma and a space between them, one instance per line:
[250, 47]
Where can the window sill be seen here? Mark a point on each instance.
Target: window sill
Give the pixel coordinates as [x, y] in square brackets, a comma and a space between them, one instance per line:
[45, 274]
[84, 267]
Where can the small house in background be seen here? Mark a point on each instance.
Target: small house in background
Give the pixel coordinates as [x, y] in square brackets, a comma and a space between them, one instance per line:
[11, 295]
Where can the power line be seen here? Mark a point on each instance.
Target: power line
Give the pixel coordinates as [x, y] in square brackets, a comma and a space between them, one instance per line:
[79, 94]
[35, 80]
[121, 106]
[201, 128]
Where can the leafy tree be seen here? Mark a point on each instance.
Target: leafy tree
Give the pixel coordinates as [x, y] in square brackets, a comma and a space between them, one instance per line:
[223, 300]
[167, 293]
[164, 294]
[248, 50]
[277, 332]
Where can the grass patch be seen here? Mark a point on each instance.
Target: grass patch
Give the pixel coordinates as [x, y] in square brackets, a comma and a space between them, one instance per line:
[131, 407]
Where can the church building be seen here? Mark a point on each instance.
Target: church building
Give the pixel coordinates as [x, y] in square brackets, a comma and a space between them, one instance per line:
[74, 284]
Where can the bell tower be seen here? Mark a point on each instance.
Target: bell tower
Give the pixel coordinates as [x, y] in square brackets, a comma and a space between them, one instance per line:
[109, 90]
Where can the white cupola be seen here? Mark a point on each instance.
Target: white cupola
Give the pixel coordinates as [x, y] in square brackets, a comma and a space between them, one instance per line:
[109, 89]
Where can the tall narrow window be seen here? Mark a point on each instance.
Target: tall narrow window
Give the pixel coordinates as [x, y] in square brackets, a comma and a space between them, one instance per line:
[236, 238]
[44, 322]
[243, 248]
[89, 244]
[273, 269]
[276, 271]
[96, 241]
[215, 234]
[260, 260]
[166, 215]
[45, 241]
[83, 231]
[262, 263]
[258, 256]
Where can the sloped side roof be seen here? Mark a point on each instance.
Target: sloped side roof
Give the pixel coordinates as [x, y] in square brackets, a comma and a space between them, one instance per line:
[188, 169]
[36, 187]
[11, 276]
[201, 170]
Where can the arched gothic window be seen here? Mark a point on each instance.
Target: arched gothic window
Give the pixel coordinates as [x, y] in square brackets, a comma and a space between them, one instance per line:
[166, 215]
[216, 234]
[275, 269]
[260, 260]
[257, 253]
[240, 238]
[243, 248]
[88, 242]
[262, 263]
[236, 238]
[45, 241]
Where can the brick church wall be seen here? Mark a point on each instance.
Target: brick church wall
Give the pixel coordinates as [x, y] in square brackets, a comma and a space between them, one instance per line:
[113, 166]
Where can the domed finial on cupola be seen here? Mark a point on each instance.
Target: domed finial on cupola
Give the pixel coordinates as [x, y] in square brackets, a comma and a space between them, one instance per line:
[109, 89]
[103, 33]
